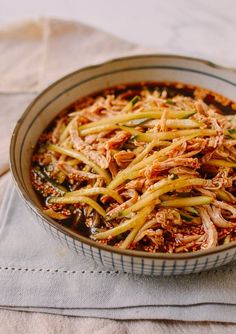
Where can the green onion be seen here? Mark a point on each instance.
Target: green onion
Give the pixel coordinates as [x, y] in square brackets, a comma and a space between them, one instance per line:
[173, 177]
[168, 101]
[130, 104]
[59, 188]
[135, 100]
[191, 210]
[231, 133]
[186, 217]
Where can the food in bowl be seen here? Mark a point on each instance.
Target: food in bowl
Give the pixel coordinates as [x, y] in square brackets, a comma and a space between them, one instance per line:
[146, 166]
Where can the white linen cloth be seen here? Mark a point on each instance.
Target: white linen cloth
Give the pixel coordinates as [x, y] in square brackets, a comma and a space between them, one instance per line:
[39, 274]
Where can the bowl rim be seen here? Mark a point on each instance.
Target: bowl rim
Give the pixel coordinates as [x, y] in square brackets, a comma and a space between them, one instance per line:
[70, 233]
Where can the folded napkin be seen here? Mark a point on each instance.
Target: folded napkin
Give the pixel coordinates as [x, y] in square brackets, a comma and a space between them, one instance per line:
[48, 49]
[39, 274]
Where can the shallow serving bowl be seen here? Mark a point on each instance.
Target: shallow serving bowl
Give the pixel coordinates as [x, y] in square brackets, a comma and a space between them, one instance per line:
[89, 80]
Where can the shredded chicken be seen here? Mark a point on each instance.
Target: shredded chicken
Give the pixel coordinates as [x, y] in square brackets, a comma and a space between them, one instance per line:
[183, 171]
[136, 184]
[57, 131]
[133, 197]
[168, 218]
[75, 173]
[209, 228]
[112, 165]
[118, 140]
[216, 216]
[225, 206]
[97, 157]
[157, 167]
[123, 158]
[77, 142]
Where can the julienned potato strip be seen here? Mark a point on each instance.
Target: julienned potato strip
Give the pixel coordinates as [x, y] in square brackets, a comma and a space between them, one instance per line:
[170, 123]
[151, 211]
[153, 196]
[96, 191]
[147, 137]
[190, 201]
[127, 225]
[79, 199]
[140, 115]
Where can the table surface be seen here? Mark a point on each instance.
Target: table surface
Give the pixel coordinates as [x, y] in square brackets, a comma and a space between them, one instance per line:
[200, 28]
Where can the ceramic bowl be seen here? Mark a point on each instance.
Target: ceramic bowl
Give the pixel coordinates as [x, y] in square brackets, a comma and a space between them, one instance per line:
[89, 80]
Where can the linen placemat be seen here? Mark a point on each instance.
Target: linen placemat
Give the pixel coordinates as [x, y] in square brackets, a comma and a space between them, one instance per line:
[39, 274]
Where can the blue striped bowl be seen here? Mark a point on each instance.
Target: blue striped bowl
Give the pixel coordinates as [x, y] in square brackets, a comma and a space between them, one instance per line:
[89, 80]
